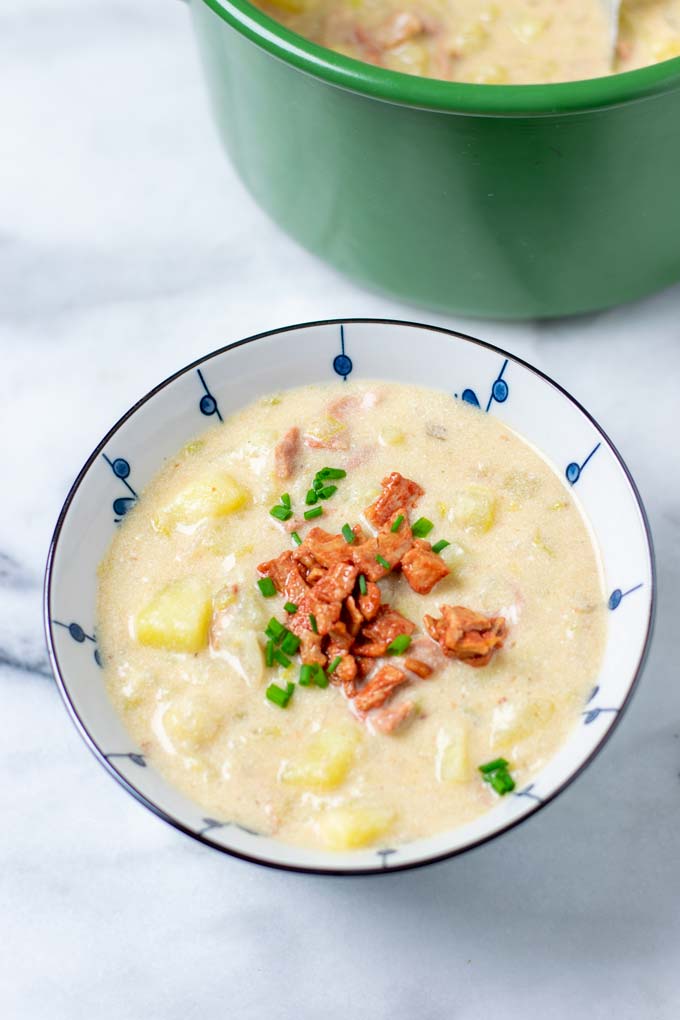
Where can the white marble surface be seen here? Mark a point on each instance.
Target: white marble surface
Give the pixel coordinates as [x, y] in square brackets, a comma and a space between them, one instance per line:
[127, 248]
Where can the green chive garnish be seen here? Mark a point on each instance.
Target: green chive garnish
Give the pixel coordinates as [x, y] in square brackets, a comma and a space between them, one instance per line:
[399, 645]
[312, 623]
[267, 587]
[269, 653]
[296, 538]
[318, 483]
[334, 665]
[362, 584]
[327, 491]
[282, 659]
[422, 527]
[306, 672]
[383, 562]
[311, 497]
[492, 766]
[290, 607]
[285, 500]
[309, 515]
[397, 524]
[502, 782]
[275, 630]
[282, 513]
[348, 534]
[290, 643]
[441, 544]
[320, 678]
[280, 696]
[331, 473]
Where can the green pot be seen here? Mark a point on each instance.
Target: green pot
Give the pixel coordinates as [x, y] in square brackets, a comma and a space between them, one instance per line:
[504, 201]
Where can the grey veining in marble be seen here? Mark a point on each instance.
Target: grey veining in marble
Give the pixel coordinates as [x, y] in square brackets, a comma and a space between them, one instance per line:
[127, 248]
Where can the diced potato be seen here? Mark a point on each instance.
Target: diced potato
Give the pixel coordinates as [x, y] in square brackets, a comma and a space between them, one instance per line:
[191, 721]
[215, 495]
[241, 650]
[390, 435]
[468, 39]
[510, 725]
[411, 57]
[177, 618]
[452, 763]
[453, 556]
[325, 761]
[348, 828]
[475, 508]
[491, 74]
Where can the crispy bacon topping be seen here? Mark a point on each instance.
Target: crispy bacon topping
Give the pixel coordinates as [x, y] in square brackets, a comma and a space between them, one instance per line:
[379, 688]
[285, 573]
[369, 604]
[466, 635]
[387, 720]
[337, 584]
[320, 548]
[418, 667]
[387, 625]
[397, 492]
[422, 568]
[286, 453]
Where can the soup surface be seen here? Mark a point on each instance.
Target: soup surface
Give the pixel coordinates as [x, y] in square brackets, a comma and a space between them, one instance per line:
[324, 615]
[484, 41]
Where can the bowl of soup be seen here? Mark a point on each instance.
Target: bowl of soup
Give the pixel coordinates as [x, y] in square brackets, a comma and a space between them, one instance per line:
[350, 596]
[505, 175]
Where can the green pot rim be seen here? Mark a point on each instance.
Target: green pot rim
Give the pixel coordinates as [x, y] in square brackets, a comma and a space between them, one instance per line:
[433, 94]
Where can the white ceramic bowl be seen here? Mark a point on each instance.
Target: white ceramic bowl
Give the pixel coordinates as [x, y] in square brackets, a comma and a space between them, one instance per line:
[219, 384]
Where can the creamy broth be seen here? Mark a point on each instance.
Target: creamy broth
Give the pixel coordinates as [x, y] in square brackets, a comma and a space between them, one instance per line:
[318, 772]
[482, 41]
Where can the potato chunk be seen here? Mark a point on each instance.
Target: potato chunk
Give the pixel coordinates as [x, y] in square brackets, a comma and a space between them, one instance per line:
[510, 725]
[177, 618]
[348, 828]
[325, 760]
[475, 508]
[191, 721]
[452, 763]
[214, 495]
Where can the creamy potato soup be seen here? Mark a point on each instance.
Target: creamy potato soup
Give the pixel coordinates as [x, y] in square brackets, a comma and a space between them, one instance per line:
[352, 614]
[483, 41]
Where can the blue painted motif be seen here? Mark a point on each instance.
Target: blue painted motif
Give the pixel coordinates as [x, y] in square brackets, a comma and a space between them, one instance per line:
[573, 471]
[79, 635]
[121, 470]
[499, 391]
[592, 714]
[135, 758]
[342, 363]
[617, 596]
[384, 854]
[470, 397]
[207, 404]
[527, 792]
[213, 823]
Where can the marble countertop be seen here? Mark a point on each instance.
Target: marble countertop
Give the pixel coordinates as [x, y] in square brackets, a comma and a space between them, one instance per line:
[128, 248]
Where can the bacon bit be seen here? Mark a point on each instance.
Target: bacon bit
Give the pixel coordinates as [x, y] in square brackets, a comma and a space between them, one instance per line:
[399, 27]
[346, 673]
[322, 548]
[369, 604]
[356, 619]
[418, 667]
[466, 635]
[387, 625]
[379, 688]
[325, 614]
[398, 492]
[294, 524]
[343, 407]
[364, 557]
[422, 568]
[337, 584]
[424, 650]
[286, 453]
[390, 719]
[285, 573]
[371, 53]
[390, 545]
[310, 649]
[340, 640]
[364, 666]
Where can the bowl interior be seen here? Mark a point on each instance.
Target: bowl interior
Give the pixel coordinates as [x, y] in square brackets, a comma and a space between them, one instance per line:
[130, 455]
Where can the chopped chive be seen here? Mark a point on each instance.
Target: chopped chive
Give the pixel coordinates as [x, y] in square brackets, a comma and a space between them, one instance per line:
[311, 497]
[282, 513]
[327, 491]
[269, 653]
[441, 544]
[290, 607]
[285, 500]
[318, 483]
[282, 659]
[334, 665]
[362, 584]
[397, 524]
[275, 630]
[296, 538]
[267, 587]
[492, 766]
[399, 645]
[331, 473]
[501, 781]
[312, 623]
[320, 678]
[422, 527]
[290, 643]
[309, 515]
[383, 562]
[348, 534]
[306, 672]
[280, 696]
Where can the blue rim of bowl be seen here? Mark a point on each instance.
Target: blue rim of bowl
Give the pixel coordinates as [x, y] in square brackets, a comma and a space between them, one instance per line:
[344, 872]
